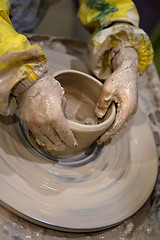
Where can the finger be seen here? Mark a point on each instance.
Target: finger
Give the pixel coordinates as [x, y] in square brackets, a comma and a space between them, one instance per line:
[103, 103]
[62, 128]
[115, 128]
[104, 99]
[43, 140]
[101, 112]
[39, 136]
[124, 113]
[107, 96]
[51, 134]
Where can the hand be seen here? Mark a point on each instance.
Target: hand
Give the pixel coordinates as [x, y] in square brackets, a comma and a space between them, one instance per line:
[122, 88]
[41, 109]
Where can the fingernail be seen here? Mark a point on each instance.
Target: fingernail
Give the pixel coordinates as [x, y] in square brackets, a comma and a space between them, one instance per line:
[59, 148]
[40, 143]
[75, 143]
[100, 112]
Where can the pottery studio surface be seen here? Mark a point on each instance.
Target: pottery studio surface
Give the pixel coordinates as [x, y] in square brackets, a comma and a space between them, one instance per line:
[95, 190]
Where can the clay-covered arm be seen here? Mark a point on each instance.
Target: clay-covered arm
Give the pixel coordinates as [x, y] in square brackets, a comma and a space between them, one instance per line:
[40, 102]
[20, 63]
[113, 24]
[118, 52]
[120, 87]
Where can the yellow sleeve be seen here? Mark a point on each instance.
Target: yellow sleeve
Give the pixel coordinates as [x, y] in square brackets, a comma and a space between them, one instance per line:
[113, 24]
[101, 13]
[19, 62]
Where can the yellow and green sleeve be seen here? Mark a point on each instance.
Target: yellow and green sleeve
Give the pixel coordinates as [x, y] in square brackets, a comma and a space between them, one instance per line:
[20, 63]
[113, 24]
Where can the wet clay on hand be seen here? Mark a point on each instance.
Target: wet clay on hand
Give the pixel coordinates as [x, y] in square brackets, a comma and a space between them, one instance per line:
[41, 109]
[121, 88]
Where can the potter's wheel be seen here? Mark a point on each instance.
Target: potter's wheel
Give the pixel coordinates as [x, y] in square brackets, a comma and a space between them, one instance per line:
[95, 190]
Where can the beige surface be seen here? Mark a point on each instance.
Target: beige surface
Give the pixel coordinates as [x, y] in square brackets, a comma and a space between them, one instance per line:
[95, 190]
[145, 224]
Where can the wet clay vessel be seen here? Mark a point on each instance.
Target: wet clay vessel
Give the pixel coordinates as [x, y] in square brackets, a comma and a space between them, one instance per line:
[81, 93]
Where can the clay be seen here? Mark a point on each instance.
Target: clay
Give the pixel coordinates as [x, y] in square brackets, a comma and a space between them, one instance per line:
[144, 224]
[120, 87]
[81, 93]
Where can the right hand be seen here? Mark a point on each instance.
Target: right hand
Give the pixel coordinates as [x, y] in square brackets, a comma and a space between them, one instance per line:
[41, 109]
[120, 87]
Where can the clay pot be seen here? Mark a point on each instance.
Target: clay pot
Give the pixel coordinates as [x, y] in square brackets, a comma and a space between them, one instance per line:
[81, 92]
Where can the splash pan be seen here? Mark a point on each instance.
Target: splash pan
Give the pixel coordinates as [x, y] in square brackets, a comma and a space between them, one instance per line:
[95, 190]
[92, 191]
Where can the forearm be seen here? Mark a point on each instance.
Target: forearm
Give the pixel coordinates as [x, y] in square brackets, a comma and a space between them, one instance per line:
[100, 14]
[113, 24]
[19, 61]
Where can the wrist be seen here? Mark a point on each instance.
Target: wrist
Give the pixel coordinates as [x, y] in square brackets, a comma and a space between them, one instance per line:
[126, 57]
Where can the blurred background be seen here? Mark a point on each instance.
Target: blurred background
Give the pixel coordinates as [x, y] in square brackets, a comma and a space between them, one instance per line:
[61, 20]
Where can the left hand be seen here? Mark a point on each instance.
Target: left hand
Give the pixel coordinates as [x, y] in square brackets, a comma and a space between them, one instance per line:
[122, 88]
[41, 108]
